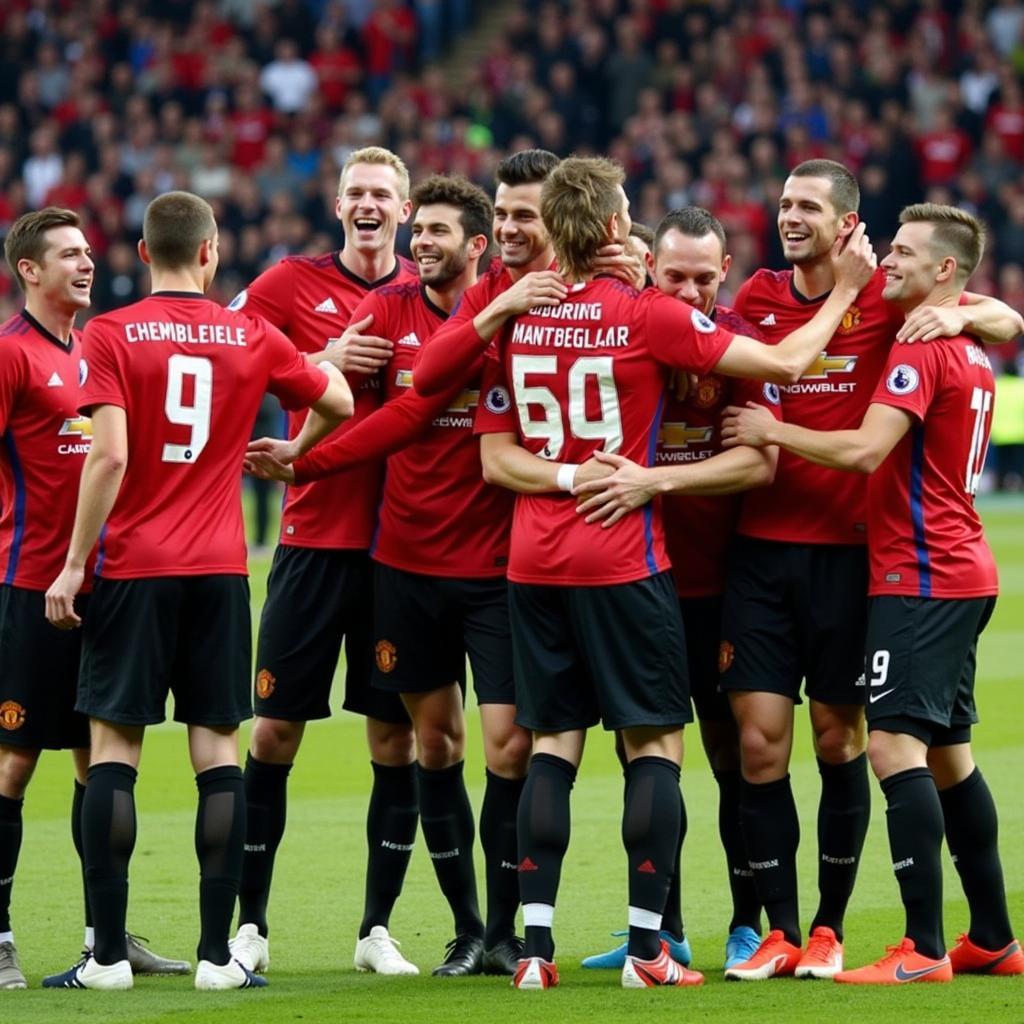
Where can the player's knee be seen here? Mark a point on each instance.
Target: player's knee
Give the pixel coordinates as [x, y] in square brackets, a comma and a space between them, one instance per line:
[440, 744]
[275, 741]
[390, 743]
[840, 741]
[16, 768]
[883, 755]
[508, 754]
[763, 755]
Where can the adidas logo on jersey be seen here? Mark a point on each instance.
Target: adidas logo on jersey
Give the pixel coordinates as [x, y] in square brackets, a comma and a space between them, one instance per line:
[410, 339]
[327, 306]
[769, 320]
[55, 381]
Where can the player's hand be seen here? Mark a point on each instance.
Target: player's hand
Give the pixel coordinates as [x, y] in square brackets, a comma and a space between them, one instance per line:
[356, 352]
[60, 599]
[749, 426]
[539, 288]
[853, 259]
[264, 466]
[627, 487]
[926, 323]
[285, 452]
[622, 262]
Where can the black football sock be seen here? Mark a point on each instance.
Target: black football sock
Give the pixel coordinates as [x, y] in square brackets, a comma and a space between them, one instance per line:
[266, 804]
[543, 839]
[844, 811]
[498, 839]
[746, 904]
[220, 835]
[108, 839]
[10, 847]
[391, 821]
[771, 834]
[672, 918]
[650, 833]
[449, 830]
[914, 819]
[972, 832]
[76, 838]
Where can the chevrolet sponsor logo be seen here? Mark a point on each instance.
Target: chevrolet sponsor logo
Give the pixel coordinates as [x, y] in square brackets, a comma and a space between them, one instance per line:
[79, 427]
[826, 364]
[469, 399]
[679, 435]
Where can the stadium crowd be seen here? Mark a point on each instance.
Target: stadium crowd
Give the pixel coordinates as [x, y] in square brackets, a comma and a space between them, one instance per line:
[256, 106]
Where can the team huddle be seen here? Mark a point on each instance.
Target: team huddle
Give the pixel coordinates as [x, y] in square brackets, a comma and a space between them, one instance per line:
[623, 501]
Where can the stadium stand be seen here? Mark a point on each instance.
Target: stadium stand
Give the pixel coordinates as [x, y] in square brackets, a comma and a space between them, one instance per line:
[256, 105]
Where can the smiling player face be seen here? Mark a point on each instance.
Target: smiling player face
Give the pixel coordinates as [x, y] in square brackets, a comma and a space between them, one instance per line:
[439, 245]
[518, 229]
[65, 273]
[690, 269]
[808, 222]
[370, 207]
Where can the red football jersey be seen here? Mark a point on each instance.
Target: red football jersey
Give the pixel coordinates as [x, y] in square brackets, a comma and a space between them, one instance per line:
[190, 376]
[437, 516]
[311, 299]
[924, 533]
[591, 373]
[809, 504]
[456, 343]
[45, 441]
[699, 528]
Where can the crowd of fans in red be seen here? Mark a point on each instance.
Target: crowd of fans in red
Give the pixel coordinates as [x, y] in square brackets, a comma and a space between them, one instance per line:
[104, 104]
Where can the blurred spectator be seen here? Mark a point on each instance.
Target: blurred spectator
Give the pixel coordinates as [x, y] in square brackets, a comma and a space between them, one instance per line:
[288, 80]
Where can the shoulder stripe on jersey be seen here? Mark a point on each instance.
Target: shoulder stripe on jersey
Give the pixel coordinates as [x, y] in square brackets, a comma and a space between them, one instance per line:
[924, 569]
[652, 448]
[19, 508]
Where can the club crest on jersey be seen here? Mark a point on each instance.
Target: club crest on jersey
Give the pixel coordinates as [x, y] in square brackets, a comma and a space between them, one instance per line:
[902, 380]
[851, 318]
[701, 323]
[771, 393]
[726, 654]
[708, 391]
[83, 372]
[12, 715]
[265, 683]
[497, 400]
[239, 300]
[386, 655]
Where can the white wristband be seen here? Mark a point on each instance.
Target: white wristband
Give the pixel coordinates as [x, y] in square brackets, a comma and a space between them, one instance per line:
[566, 475]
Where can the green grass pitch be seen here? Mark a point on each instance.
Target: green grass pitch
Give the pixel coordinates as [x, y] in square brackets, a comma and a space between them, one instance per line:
[317, 894]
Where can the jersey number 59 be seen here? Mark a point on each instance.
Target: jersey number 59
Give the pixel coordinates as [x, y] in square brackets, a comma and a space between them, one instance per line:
[551, 429]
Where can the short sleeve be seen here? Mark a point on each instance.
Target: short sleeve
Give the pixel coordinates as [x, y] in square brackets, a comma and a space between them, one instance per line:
[912, 375]
[104, 373]
[681, 336]
[495, 414]
[295, 381]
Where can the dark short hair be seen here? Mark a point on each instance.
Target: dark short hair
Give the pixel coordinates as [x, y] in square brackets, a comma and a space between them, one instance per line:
[845, 192]
[527, 167]
[692, 221]
[475, 210]
[26, 239]
[643, 232]
[174, 227]
[955, 233]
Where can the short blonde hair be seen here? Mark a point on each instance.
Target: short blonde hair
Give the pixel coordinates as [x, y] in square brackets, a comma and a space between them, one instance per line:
[954, 233]
[579, 197]
[378, 155]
